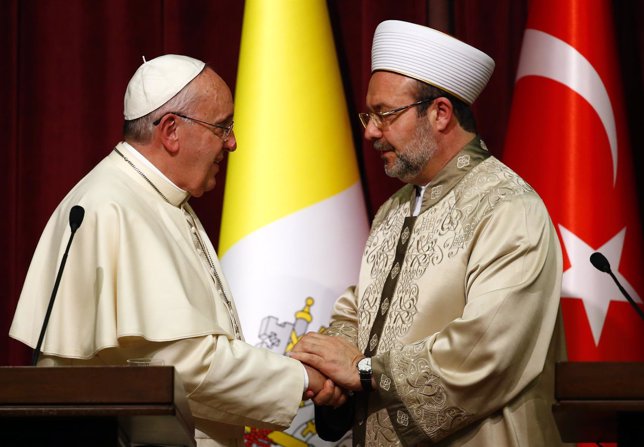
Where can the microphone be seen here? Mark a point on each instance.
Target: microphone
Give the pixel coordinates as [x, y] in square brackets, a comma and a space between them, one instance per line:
[76, 217]
[75, 220]
[600, 262]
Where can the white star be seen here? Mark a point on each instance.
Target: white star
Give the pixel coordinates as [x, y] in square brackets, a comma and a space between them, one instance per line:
[595, 288]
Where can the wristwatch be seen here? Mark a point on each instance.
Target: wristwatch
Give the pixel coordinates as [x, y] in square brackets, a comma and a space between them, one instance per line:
[365, 371]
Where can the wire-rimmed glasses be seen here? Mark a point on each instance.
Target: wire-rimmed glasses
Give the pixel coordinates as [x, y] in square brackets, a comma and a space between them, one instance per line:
[226, 128]
[379, 118]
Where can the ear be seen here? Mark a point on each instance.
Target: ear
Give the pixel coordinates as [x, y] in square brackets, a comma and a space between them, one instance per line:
[167, 132]
[443, 113]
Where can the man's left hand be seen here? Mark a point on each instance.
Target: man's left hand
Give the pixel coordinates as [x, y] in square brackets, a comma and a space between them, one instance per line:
[334, 357]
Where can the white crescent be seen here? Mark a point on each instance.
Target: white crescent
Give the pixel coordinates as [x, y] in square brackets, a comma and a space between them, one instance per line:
[544, 55]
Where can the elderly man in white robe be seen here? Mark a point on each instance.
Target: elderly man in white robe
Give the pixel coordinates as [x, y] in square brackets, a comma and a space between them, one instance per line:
[451, 334]
[142, 278]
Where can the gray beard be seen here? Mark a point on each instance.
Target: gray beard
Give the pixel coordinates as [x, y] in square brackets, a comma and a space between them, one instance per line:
[411, 160]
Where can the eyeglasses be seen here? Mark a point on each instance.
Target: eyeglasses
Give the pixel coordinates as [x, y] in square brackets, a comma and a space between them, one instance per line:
[379, 118]
[227, 129]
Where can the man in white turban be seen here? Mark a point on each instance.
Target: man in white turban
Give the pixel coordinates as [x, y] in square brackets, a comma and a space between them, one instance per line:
[142, 279]
[451, 334]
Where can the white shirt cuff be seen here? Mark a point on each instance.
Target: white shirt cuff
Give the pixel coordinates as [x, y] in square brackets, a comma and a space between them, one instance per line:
[306, 379]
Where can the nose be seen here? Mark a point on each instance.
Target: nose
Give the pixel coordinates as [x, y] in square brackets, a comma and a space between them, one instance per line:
[231, 143]
[371, 132]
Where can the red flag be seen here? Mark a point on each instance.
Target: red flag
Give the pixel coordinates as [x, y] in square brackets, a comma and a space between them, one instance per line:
[567, 137]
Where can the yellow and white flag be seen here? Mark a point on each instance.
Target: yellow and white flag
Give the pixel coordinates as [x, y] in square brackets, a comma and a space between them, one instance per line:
[294, 220]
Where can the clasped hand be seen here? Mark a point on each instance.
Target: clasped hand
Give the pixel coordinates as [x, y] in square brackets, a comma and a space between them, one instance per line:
[331, 363]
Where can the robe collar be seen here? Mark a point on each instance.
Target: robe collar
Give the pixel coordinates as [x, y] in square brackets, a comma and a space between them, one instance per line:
[149, 175]
[458, 167]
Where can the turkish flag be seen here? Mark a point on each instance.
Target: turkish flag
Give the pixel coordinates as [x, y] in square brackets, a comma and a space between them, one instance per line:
[567, 137]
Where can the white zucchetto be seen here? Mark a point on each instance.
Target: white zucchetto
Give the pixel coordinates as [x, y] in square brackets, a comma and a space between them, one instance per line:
[432, 57]
[157, 81]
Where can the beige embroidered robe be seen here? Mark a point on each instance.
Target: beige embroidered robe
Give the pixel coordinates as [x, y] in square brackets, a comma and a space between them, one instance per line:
[459, 308]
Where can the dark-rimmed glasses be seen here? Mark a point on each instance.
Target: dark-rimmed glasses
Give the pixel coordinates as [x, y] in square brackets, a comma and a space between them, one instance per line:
[227, 129]
[379, 118]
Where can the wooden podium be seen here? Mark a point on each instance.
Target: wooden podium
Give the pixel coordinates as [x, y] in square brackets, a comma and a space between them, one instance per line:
[98, 406]
[600, 402]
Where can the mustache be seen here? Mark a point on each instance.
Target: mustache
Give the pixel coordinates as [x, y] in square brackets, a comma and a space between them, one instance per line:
[383, 146]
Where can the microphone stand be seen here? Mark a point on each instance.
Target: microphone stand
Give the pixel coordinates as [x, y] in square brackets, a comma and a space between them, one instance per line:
[75, 219]
[599, 261]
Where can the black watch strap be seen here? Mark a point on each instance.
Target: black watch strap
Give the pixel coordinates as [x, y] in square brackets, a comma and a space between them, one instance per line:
[365, 380]
[365, 371]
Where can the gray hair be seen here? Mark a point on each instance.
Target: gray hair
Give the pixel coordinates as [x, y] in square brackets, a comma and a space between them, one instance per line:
[462, 111]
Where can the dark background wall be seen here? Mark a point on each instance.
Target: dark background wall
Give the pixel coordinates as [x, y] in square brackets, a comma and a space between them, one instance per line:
[66, 63]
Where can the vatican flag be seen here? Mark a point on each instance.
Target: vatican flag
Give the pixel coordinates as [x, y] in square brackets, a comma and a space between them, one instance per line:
[294, 220]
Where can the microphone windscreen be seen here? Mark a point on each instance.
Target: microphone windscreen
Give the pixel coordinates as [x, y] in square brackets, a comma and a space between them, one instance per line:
[600, 262]
[76, 217]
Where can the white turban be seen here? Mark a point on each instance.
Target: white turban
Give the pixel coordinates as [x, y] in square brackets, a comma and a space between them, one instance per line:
[432, 57]
[157, 81]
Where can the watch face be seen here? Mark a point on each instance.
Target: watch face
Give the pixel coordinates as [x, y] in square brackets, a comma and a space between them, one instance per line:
[364, 365]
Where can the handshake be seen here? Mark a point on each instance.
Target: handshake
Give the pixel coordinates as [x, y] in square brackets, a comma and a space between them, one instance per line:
[331, 364]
